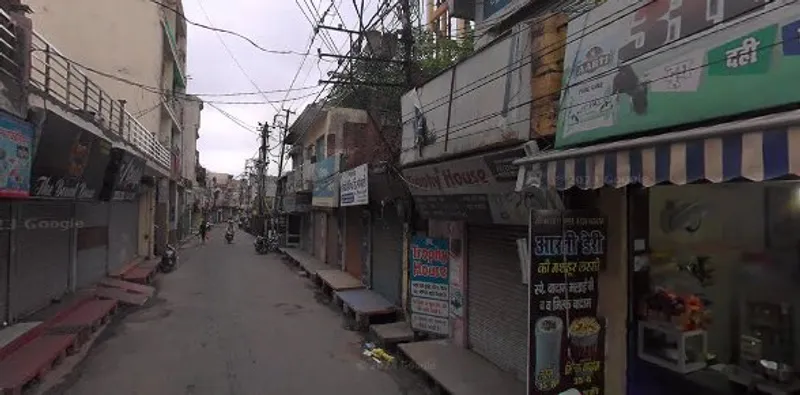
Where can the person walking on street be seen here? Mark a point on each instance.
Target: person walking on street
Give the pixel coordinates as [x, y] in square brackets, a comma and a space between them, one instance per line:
[203, 230]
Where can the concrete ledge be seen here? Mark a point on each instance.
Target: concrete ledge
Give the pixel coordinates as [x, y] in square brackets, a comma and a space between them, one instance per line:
[459, 371]
[305, 260]
[392, 334]
[338, 280]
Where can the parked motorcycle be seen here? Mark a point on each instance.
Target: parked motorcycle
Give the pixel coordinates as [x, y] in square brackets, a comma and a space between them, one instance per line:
[261, 245]
[169, 261]
[229, 236]
[272, 244]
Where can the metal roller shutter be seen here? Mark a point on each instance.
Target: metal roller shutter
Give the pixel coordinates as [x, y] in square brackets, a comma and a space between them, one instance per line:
[387, 253]
[39, 275]
[319, 235]
[497, 308]
[123, 231]
[307, 233]
[92, 242]
[5, 261]
[333, 252]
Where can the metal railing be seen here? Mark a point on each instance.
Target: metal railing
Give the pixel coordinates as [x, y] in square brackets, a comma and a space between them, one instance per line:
[9, 47]
[66, 82]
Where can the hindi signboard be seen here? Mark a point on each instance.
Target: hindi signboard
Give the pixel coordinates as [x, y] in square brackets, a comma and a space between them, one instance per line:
[354, 188]
[566, 338]
[430, 285]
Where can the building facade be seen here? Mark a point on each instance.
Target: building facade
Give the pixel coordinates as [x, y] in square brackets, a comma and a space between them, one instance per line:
[155, 62]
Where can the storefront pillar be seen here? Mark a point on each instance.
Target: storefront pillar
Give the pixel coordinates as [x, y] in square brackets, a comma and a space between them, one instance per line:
[454, 232]
[612, 283]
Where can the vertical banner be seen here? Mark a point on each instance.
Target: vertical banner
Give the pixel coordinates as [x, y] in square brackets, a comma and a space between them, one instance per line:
[430, 285]
[566, 338]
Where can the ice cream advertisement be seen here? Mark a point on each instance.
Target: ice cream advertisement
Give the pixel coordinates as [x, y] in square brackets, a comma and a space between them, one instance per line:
[566, 337]
[16, 140]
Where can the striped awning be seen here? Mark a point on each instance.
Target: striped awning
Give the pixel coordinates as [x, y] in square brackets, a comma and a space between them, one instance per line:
[725, 152]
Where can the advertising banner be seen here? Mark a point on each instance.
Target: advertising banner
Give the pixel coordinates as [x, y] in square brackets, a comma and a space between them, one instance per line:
[354, 187]
[667, 63]
[325, 192]
[123, 176]
[430, 285]
[70, 162]
[16, 145]
[566, 338]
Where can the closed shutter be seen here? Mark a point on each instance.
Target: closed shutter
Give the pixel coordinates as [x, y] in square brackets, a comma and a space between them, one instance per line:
[5, 261]
[307, 238]
[387, 253]
[497, 305]
[39, 274]
[333, 253]
[353, 235]
[319, 235]
[92, 243]
[123, 231]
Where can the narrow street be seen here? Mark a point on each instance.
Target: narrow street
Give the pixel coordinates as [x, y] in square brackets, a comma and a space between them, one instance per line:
[231, 322]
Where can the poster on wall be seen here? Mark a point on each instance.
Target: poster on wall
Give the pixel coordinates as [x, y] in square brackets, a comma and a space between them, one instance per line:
[566, 337]
[655, 66]
[16, 145]
[430, 285]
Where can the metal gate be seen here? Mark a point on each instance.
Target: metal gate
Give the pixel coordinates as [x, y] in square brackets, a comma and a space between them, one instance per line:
[123, 234]
[387, 253]
[497, 304]
[92, 243]
[39, 275]
[5, 255]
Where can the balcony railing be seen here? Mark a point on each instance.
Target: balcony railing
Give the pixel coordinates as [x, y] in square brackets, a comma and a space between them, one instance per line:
[66, 82]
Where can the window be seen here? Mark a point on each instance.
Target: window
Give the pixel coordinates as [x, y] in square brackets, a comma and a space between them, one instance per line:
[320, 148]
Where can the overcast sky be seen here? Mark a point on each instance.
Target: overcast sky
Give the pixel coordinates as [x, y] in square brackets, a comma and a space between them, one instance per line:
[273, 24]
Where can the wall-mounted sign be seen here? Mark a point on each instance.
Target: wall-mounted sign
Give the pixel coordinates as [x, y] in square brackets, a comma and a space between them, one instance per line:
[430, 285]
[325, 192]
[123, 176]
[618, 87]
[16, 145]
[566, 338]
[70, 162]
[354, 186]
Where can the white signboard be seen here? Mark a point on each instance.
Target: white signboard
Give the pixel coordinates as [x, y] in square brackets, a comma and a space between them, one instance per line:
[430, 324]
[354, 189]
[430, 290]
[437, 308]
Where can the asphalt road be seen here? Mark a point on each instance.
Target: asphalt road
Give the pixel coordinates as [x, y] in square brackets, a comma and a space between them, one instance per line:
[231, 322]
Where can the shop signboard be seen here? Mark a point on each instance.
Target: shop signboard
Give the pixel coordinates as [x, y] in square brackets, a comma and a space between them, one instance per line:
[16, 145]
[70, 162]
[670, 63]
[566, 338]
[123, 176]
[354, 187]
[430, 285]
[326, 183]
[480, 188]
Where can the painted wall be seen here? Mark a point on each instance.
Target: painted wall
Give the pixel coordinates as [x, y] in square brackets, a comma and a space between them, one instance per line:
[191, 127]
[97, 44]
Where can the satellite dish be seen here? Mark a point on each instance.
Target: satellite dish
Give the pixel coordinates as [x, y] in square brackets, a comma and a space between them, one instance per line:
[686, 216]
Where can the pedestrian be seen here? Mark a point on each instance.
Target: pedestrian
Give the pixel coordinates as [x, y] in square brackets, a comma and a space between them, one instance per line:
[203, 230]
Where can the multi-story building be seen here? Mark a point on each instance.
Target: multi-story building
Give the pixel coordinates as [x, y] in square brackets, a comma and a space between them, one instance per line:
[150, 72]
[83, 176]
[190, 115]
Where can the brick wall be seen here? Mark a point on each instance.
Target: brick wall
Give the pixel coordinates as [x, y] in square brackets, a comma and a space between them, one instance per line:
[361, 144]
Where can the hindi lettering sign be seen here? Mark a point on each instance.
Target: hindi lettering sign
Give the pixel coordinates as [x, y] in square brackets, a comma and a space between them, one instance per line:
[430, 285]
[567, 339]
[354, 188]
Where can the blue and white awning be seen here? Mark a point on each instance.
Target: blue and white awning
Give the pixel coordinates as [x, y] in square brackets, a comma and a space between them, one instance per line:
[758, 149]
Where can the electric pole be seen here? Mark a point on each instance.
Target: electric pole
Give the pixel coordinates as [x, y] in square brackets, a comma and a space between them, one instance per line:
[262, 169]
[408, 41]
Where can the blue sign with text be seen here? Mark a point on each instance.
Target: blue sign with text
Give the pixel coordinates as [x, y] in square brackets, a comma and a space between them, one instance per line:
[430, 260]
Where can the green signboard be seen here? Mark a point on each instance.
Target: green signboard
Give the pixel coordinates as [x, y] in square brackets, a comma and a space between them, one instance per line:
[673, 63]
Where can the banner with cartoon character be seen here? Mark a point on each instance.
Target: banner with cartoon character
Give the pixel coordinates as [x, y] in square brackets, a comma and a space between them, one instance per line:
[70, 162]
[16, 144]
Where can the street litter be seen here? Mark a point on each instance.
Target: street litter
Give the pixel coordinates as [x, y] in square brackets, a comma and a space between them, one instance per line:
[377, 355]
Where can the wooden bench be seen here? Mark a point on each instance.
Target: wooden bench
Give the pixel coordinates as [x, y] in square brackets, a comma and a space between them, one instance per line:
[363, 306]
[334, 280]
[459, 371]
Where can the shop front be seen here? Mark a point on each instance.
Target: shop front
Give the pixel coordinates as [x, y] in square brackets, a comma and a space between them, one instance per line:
[65, 214]
[16, 142]
[711, 253]
[122, 192]
[471, 203]
[354, 200]
[324, 203]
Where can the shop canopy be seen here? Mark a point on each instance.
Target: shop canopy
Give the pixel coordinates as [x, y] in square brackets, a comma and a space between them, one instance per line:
[755, 149]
